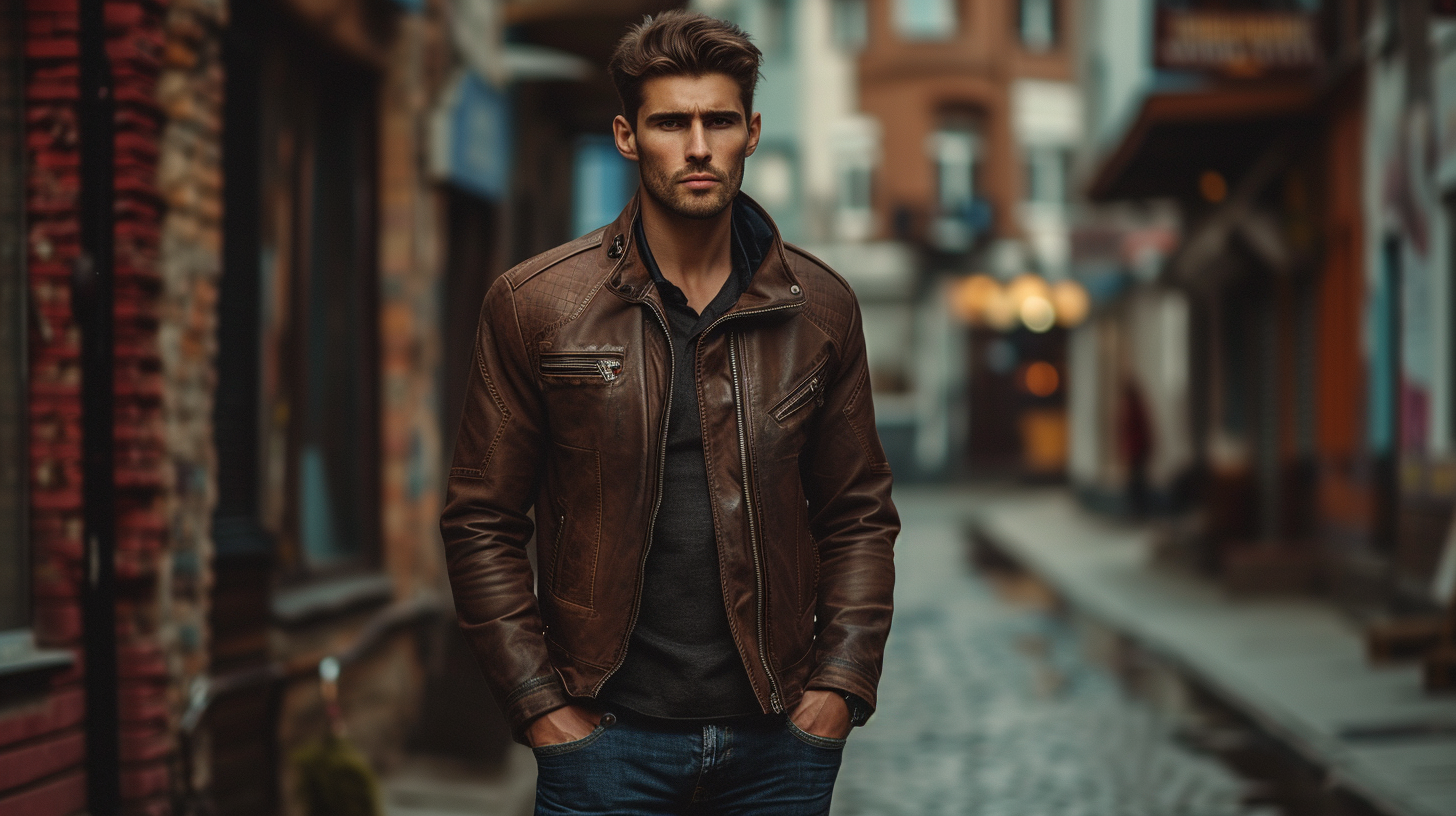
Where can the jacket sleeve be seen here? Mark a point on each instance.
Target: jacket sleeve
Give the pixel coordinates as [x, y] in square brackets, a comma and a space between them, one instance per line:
[493, 480]
[847, 483]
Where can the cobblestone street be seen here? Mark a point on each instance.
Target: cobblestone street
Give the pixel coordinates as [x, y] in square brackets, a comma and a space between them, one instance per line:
[989, 707]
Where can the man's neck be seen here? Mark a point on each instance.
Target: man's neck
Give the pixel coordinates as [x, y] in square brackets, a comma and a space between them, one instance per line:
[693, 254]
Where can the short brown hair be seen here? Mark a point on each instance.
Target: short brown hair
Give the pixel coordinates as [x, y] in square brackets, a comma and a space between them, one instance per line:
[677, 43]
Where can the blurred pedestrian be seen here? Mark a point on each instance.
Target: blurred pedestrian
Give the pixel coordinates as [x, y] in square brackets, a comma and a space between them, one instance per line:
[1135, 440]
[684, 400]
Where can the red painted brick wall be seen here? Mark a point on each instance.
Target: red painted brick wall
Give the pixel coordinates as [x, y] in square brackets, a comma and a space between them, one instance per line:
[41, 740]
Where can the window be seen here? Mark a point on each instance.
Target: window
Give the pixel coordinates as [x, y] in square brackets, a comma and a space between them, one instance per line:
[961, 215]
[14, 539]
[1037, 24]
[297, 397]
[925, 19]
[850, 21]
[1047, 170]
[771, 179]
[856, 146]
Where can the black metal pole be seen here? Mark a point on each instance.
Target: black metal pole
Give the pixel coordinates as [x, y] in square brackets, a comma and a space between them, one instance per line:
[92, 305]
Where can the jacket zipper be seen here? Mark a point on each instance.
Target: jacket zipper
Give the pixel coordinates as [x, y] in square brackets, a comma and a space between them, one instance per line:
[814, 388]
[608, 367]
[774, 702]
[773, 686]
[656, 502]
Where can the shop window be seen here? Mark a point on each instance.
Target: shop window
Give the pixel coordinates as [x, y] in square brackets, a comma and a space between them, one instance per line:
[14, 565]
[297, 428]
[1036, 22]
[926, 19]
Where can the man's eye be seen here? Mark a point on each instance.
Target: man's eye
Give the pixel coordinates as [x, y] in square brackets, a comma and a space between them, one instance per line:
[671, 124]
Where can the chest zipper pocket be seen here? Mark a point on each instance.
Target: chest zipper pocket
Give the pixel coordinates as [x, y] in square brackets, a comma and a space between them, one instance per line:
[810, 390]
[606, 365]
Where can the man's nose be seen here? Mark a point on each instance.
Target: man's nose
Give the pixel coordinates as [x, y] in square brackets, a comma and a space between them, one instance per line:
[698, 151]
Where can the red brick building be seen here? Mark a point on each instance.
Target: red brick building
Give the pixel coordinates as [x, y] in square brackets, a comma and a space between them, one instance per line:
[934, 70]
[199, 616]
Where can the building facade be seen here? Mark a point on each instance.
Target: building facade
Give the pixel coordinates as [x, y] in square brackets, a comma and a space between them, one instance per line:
[270, 225]
[1297, 144]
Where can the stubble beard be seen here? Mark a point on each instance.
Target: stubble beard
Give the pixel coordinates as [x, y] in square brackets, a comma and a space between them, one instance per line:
[667, 189]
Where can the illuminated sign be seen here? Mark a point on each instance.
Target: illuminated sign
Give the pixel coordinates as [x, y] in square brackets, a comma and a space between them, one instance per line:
[1236, 43]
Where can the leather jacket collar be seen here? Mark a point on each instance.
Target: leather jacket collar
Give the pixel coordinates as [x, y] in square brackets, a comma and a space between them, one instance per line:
[774, 288]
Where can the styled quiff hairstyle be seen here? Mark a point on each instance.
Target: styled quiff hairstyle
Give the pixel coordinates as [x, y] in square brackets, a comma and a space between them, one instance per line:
[682, 43]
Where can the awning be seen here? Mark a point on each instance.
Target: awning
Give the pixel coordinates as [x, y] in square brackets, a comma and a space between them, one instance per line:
[1177, 136]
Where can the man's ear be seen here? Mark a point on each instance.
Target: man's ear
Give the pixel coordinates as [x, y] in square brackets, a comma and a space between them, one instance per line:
[626, 139]
[755, 129]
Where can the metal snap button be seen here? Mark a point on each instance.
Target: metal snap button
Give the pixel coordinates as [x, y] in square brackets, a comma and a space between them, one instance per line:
[617, 246]
[794, 288]
[609, 719]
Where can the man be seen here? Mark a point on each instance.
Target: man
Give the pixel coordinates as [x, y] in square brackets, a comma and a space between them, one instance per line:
[684, 401]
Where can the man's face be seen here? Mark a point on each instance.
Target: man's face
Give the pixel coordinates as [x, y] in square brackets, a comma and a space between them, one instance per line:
[690, 140]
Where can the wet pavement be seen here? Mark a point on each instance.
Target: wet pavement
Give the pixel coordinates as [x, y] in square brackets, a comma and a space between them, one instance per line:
[988, 705]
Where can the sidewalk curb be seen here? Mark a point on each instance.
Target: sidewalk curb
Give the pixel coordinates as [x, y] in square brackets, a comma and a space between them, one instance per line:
[1291, 665]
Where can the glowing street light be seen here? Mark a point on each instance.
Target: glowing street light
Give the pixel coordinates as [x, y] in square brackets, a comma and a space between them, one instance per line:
[1038, 314]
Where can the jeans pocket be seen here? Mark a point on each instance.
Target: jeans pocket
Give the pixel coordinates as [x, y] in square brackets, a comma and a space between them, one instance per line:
[562, 748]
[828, 743]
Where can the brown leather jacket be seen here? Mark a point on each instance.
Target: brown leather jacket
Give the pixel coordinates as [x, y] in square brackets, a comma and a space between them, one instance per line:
[566, 412]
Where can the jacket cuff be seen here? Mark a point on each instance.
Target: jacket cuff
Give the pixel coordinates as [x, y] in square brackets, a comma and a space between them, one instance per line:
[531, 699]
[842, 676]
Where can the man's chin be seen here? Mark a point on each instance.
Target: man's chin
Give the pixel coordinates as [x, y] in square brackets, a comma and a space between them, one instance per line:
[698, 207]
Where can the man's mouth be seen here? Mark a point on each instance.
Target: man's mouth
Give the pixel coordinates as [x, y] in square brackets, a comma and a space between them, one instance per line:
[700, 181]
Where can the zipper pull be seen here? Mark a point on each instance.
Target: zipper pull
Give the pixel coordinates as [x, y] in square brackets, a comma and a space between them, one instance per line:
[609, 369]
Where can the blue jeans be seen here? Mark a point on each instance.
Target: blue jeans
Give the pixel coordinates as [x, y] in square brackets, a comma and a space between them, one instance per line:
[762, 765]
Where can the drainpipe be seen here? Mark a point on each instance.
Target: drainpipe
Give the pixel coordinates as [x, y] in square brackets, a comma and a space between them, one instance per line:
[92, 309]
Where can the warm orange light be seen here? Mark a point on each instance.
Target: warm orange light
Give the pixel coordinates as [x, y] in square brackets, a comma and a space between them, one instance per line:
[1026, 286]
[1212, 186]
[1002, 312]
[1071, 302]
[1038, 314]
[973, 297]
[1041, 379]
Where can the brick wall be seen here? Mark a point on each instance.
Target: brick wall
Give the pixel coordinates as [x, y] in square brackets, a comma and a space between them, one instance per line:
[41, 736]
[163, 312]
[135, 44]
[189, 178]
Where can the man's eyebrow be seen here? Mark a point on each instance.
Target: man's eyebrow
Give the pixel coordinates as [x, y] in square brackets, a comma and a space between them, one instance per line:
[712, 114]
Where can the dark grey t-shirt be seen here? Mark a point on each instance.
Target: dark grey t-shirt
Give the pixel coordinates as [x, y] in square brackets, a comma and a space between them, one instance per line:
[681, 661]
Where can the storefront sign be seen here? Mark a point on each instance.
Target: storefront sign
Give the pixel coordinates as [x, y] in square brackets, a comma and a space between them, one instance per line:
[471, 137]
[1236, 43]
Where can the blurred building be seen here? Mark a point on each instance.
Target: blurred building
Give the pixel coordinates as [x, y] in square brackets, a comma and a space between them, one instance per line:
[980, 113]
[1294, 342]
[899, 147]
[292, 210]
